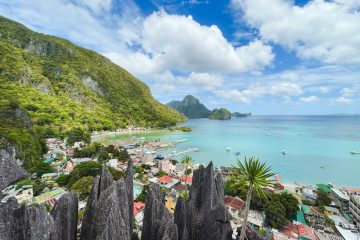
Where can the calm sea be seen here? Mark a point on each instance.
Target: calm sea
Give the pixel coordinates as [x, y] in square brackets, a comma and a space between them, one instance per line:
[318, 147]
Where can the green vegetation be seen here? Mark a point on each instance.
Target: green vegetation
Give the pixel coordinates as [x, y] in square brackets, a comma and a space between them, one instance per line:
[254, 175]
[182, 128]
[323, 198]
[83, 186]
[142, 196]
[240, 115]
[275, 214]
[101, 152]
[51, 87]
[22, 183]
[191, 107]
[220, 114]
[117, 174]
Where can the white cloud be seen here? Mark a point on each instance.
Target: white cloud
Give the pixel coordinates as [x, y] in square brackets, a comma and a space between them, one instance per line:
[352, 91]
[343, 100]
[325, 30]
[310, 99]
[285, 89]
[235, 95]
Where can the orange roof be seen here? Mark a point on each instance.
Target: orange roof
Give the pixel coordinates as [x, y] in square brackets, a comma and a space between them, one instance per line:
[234, 202]
[138, 206]
[352, 190]
[69, 167]
[186, 178]
[165, 179]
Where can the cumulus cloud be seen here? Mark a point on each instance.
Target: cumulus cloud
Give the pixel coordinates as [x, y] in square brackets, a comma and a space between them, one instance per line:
[328, 31]
[343, 100]
[285, 89]
[310, 99]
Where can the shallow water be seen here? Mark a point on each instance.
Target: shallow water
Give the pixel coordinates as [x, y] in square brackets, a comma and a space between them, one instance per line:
[318, 147]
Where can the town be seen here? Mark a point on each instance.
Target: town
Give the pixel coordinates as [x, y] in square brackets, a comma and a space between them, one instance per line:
[315, 212]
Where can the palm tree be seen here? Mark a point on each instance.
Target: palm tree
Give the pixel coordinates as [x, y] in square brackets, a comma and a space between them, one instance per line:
[254, 175]
[187, 161]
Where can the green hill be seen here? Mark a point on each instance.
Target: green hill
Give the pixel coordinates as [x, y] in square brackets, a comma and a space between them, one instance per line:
[220, 114]
[50, 86]
[191, 107]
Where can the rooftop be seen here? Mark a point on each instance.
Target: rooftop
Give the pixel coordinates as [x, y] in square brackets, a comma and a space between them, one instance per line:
[340, 194]
[355, 198]
[165, 179]
[324, 187]
[234, 202]
[186, 178]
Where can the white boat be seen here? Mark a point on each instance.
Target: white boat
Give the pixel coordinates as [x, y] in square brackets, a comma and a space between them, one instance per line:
[283, 152]
[355, 152]
[228, 149]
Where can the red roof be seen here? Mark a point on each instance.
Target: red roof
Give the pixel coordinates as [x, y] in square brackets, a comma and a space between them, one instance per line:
[234, 202]
[306, 231]
[138, 206]
[69, 167]
[186, 178]
[165, 179]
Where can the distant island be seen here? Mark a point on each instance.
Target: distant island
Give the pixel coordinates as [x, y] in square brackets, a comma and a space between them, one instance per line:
[240, 115]
[220, 114]
[191, 107]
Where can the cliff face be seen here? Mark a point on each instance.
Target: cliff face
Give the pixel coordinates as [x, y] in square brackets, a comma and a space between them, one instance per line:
[109, 210]
[9, 170]
[204, 216]
[191, 107]
[23, 222]
[158, 223]
[66, 217]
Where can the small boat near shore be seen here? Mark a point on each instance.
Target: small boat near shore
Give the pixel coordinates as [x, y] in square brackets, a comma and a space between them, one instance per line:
[355, 152]
[228, 149]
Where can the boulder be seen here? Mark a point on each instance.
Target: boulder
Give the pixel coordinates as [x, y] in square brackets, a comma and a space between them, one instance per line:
[158, 222]
[204, 216]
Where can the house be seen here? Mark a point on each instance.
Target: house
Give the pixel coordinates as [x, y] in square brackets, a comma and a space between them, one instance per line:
[49, 197]
[166, 166]
[233, 204]
[170, 204]
[332, 211]
[112, 163]
[341, 198]
[355, 208]
[167, 181]
[186, 179]
[49, 177]
[25, 195]
[78, 161]
[138, 206]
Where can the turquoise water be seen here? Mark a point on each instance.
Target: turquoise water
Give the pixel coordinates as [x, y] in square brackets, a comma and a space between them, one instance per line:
[137, 189]
[318, 147]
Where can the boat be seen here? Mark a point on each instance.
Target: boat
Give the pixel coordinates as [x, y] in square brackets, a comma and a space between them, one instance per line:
[355, 152]
[283, 152]
[228, 149]
[237, 153]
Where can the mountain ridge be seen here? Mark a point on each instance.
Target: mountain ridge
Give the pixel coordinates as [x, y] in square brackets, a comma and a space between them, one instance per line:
[50, 86]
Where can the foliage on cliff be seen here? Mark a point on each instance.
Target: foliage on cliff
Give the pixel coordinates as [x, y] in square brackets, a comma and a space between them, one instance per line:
[191, 107]
[50, 86]
[220, 114]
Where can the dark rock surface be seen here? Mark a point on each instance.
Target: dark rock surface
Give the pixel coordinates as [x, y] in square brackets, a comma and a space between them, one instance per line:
[204, 216]
[109, 210]
[158, 223]
[9, 170]
[21, 222]
[65, 214]
[88, 231]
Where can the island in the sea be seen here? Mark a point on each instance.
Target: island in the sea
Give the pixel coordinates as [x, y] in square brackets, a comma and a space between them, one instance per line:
[191, 107]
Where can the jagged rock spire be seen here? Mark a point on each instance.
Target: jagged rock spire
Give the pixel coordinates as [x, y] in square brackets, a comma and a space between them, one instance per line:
[158, 223]
[204, 216]
[65, 214]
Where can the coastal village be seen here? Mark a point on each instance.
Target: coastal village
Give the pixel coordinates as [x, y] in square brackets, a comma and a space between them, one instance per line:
[338, 219]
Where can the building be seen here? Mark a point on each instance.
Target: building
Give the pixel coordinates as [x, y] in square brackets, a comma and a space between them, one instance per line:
[340, 198]
[166, 166]
[49, 177]
[354, 207]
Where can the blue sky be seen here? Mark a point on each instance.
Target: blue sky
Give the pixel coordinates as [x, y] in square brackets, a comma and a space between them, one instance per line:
[267, 57]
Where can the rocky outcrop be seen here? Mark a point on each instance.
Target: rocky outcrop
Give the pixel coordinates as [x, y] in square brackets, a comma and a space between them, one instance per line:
[23, 222]
[65, 214]
[9, 170]
[109, 210]
[158, 223]
[204, 216]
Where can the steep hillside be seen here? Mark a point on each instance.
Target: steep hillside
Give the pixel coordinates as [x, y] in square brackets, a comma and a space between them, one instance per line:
[191, 107]
[49, 86]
